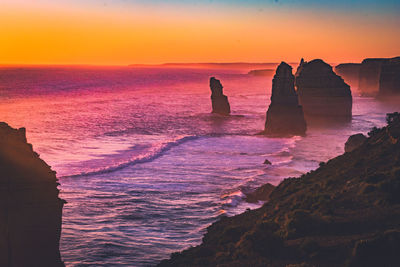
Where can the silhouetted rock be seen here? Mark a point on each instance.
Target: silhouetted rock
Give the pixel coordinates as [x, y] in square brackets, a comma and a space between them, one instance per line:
[389, 81]
[350, 73]
[260, 194]
[30, 209]
[354, 142]
[345, 213]
[267, 162]
[369, 76]
[220, 102]
[284, 115]
[323, 94]
[262, 72]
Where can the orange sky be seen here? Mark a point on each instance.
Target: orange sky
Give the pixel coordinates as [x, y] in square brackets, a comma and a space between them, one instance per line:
[46, 33]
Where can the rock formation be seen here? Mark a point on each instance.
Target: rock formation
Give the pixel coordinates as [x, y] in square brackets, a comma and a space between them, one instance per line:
[30, 209]
[284, 115]
[370, 72]
[262, 72]
[323, 94]
[349, 72]
[354, 142]
[220, 104]
[389, 80]
[260, 194]
[345, 213]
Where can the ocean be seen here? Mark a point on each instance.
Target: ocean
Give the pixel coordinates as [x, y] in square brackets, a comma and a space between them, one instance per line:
[143, 164]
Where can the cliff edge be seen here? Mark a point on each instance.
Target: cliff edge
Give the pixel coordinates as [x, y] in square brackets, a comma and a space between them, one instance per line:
[30, 209]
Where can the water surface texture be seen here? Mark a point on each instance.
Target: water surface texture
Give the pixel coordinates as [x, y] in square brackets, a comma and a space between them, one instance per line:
[142, 163]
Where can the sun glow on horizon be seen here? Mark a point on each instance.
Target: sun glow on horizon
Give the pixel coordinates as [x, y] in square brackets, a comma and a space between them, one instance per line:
[61, 33]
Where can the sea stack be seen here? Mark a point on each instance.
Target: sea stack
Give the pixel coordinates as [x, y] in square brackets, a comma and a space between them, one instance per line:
[325, 96]
[220, 104]
[389, 80]
[30, 221]
[370, 72]
[284, 115]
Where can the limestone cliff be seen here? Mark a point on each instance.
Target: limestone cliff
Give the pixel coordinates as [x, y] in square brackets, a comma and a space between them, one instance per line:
[220, 104]
[30, 209]
[389, 79]
[284, 115]
[323, 94]
[369, 76]
[350, 73]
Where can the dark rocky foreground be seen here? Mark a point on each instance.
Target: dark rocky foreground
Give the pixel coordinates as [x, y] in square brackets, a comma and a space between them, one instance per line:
[220, 104]
[345, 213]
[323, 94]
[285, 115]
[30, 209]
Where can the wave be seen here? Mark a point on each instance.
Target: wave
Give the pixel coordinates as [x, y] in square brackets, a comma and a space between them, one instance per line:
[154, 153]
[162, 149]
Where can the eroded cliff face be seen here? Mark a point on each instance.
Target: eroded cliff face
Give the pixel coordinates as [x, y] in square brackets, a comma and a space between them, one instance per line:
[285, 115]
[30, 209]
[323, 94]
[389, 80]
[220, 104]
[370, 72]
[350, 73]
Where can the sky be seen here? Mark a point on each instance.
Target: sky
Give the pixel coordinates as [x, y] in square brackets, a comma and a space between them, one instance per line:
[121, 32]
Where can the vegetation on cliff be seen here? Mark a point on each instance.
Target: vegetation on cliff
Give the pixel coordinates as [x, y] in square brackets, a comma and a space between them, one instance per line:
[345, 213]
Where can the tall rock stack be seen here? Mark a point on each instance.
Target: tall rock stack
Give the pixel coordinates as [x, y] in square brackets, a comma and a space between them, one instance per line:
[325, 97]
[220, 104]
[370, 71]
[389, 80]
[30, 209]
[284, 115]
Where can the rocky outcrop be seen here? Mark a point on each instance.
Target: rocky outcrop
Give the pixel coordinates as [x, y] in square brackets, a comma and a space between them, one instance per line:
[323, 94]
[345, 213]
[389, 79]
[262, 72]
[354, 142]
[349, 72]
[285, 115]
[369, 76]
[30, 209]
[220, 104]
[260, 194]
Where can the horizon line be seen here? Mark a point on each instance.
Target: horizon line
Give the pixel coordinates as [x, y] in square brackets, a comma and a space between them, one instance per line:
[166, 64]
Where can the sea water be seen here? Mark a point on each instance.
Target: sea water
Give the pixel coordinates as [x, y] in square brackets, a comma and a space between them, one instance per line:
[143, 164]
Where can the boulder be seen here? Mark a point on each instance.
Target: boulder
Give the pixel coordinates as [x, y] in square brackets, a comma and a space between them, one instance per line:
[285, 115]
[30, 209]
[323, 94]
[262, 193]
[389, 79]
[354, 142]
[220, 104]
[267, 162]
